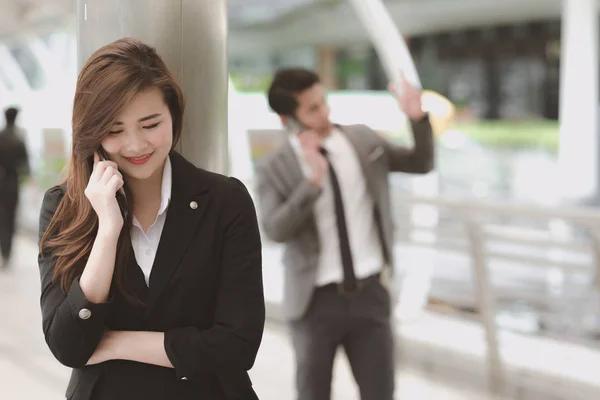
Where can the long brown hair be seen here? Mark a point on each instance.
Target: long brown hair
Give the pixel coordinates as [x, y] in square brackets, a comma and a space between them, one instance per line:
[106, 84]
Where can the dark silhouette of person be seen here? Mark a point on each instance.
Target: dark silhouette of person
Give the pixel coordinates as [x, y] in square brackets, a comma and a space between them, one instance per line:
[14, 164]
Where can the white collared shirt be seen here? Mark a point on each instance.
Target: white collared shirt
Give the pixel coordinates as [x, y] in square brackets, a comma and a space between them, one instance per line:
[145, 244]
[358, 208]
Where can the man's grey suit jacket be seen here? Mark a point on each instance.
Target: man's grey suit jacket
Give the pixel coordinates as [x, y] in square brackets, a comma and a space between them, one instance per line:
[286, 200]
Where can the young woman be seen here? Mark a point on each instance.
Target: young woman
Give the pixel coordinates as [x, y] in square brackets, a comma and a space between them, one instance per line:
[150, 267]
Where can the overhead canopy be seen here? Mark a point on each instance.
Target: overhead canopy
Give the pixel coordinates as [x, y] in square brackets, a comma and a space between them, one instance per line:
[25, 17]
[259, 25]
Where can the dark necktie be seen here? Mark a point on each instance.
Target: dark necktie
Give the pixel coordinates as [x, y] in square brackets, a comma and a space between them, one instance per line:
[345, 252]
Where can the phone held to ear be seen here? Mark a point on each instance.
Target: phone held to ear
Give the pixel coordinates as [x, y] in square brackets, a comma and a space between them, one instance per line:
[121, 198]
[295, 126]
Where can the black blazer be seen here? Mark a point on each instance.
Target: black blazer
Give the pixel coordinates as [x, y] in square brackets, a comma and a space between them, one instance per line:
[205, 293]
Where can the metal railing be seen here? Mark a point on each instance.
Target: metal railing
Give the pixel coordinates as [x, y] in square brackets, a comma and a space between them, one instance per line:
[472, 215]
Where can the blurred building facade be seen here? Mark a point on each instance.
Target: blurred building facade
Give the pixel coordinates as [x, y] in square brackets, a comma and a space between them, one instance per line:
[492, 59]
[496, 60]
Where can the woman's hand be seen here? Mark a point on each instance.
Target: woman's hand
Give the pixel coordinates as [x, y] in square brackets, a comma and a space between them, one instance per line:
[101, 191]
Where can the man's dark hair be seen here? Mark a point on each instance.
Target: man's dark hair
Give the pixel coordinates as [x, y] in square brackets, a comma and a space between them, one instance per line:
[11, 115]
[286, 85]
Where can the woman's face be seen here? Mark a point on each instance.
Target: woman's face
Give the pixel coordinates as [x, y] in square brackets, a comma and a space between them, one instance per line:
[142, 137]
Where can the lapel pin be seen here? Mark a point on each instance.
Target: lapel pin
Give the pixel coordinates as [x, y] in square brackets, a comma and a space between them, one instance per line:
[375, 154]
[193, 205]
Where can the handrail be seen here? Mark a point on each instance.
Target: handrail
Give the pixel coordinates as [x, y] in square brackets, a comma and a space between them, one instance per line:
[585, 216]
[471, 213]
[477, 232]
[449, 239]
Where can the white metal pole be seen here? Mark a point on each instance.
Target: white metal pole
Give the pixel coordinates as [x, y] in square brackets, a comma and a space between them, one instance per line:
[389, 43]
[579, 148]
[397, 60]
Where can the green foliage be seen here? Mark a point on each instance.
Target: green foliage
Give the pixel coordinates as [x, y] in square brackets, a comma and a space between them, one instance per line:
[51, 171]
[539, 134]
[245, 82]
[505, 135]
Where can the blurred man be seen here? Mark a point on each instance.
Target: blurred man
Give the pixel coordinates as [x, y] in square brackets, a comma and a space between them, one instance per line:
[14, 164]
[324, 193]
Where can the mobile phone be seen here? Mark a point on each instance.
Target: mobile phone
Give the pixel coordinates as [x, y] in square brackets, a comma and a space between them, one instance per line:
[295, 126]
[121, 197]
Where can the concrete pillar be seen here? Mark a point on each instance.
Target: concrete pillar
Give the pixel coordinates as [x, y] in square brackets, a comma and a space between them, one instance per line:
[191, 37]
[579, 145]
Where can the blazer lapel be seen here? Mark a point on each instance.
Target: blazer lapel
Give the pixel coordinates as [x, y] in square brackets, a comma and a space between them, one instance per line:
[189, 201]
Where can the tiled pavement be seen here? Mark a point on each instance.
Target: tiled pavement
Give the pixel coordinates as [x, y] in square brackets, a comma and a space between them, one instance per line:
[28, 370]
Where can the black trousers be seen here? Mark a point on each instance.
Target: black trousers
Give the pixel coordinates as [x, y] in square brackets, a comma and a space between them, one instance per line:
[9, 198]
[362, 325]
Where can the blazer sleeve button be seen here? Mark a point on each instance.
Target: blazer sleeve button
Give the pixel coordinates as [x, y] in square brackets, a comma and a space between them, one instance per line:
[84, 313]
[184, 378]
[193, 205]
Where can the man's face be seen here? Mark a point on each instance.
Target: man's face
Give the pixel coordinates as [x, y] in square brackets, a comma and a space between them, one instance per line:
[313, 110]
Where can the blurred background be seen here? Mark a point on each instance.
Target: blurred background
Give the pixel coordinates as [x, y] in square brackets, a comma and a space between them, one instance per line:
[498, 251]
